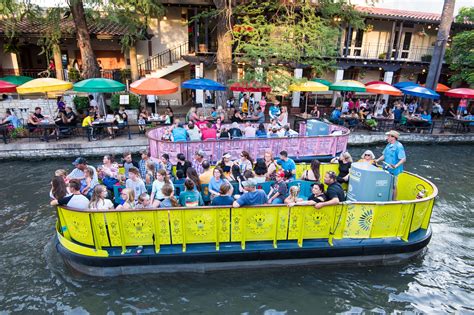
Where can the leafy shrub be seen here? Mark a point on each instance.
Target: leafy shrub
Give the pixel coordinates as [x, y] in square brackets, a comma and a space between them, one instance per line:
[81, 103]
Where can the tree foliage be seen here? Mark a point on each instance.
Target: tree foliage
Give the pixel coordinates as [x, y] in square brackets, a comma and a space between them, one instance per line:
[461, 54]
[12, 12]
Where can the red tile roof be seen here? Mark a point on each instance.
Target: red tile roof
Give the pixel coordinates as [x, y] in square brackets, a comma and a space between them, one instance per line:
[67, 28]
[400, 14]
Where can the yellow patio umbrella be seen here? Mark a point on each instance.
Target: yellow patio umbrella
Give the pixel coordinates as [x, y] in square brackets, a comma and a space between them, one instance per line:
[308, 86]
[44, 85]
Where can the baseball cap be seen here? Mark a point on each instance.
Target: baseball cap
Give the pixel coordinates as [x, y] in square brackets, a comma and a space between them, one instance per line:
[79, 160]
[280, 173]
[249, 183]
[227, 156]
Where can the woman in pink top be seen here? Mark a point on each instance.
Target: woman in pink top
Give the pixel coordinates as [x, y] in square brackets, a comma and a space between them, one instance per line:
[263, 103]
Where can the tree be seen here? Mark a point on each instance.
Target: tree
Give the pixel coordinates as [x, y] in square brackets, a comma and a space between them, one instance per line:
[135, 15]
[461, 55]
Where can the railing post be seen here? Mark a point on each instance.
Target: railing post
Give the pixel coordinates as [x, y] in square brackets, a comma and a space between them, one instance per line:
[244, 228]
[122, 236]
[97, 244]
[302, 222]
[156, 224]
[183, 228]
[216, 218]
[275, 232]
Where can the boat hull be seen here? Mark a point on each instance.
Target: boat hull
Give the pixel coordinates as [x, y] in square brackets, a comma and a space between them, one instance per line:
[204, 257]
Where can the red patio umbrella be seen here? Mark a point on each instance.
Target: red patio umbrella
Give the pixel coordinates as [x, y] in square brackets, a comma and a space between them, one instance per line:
[153, 86]
[7, 87]
[376, 82]
[250, 86]
[384, 89]
[460, 93]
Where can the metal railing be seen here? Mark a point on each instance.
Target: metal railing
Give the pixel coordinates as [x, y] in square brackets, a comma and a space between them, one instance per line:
[379, 51]
[163, 59]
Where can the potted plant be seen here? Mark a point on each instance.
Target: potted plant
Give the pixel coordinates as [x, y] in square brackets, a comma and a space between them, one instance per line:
[383, 55]
[73, 74]
[81, 103]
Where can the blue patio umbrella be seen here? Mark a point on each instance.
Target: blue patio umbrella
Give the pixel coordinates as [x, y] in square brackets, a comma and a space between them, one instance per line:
[203, 84]
[416, 90]
[404, 84]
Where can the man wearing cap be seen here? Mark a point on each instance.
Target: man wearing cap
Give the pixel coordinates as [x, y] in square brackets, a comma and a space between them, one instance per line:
[252, 196]
[279, 190]
[78, 173]
[197, 162]
[394, 155]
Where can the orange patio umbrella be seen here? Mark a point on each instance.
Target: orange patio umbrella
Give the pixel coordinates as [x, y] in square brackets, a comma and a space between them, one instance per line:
[440, 87]
[383, 89]
[153, 86]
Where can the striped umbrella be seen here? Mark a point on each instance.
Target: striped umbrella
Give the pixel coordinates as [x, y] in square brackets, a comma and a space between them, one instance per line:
[348, 85]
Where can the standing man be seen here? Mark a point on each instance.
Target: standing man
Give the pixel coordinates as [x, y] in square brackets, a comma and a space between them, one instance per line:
[394, 155]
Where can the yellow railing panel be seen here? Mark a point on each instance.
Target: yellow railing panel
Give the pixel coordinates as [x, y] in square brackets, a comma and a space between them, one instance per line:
[163, 223]
[201, 225]
[100, 227]
[359, 219]
[138, 227]
[255, 224]
[79, 226]
[421, 209]
[113, 227]
[300, 168]
[309, 222]
[386, 222]
[176, 225]
[409, 185]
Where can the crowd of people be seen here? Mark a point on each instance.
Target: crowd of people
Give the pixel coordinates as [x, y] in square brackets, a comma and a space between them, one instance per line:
[231, 182]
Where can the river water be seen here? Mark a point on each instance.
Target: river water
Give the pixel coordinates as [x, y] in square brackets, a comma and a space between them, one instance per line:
[33, 278]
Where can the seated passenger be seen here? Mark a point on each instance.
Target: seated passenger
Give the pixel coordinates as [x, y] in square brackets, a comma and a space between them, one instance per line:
[179, 133]
[261, 132]
[207, 173]
[312, 174]
[193, 132]
[224, 198]
[334, 193]
[166, 165]
[235, 131]
[143, 202]
[317, 195]
[179, 179]
[279, 190]
[135, 182]
[128, 197]
[169, 201]
[99, 199]
[75, 199]
[224, 134]
[345, 162]
[160, 181]
[249, 130]
[293, 197]
[190, 197]
[286, 163]
[201, 123]
[252, 196]
[260, 170]
[216, 181]
[208, 132]
[368, 157]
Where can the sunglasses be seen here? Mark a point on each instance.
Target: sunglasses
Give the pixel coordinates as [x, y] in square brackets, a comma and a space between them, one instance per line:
[367, 155]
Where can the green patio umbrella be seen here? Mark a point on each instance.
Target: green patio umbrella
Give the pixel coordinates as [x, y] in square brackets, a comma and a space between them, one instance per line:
[347, 85]
[16, 79]
[98, 85]
[322, 81]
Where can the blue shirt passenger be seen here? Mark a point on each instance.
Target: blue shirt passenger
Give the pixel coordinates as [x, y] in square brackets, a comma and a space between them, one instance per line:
[180, 134]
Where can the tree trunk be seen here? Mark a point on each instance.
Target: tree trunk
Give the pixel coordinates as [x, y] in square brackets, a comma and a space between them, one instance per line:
[90, 68]
[224, 49]
[58, 63]
[440, 45]
[132, 51]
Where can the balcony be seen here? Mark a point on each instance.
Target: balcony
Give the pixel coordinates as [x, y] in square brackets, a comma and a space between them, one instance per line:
[379, 52]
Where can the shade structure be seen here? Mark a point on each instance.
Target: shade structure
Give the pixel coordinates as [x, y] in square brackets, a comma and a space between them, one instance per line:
[440, 87]
[460, 93]
[376, 82]
[203, 84]
[322, 81]
[44, 85]
[416, 90]
[153, 86]
[99, 85]
[250, 86]
[16, 79]
[384, 89]
[309, 86]
[347, 85]
[7, 87]
[404, 84]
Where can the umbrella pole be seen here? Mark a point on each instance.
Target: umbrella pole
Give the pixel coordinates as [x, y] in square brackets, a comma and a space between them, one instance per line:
[49, 105]
[306, 105]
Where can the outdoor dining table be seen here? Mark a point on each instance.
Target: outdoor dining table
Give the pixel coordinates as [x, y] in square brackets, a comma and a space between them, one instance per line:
[102, 125]
[460, 125]
[417, 122]
[47, 126]
[302, 117]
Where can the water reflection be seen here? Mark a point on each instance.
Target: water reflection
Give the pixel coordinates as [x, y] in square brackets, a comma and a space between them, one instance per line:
[34, 278]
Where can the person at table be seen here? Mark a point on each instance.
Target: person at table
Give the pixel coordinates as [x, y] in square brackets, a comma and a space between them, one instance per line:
[194, 132]
[235, 131]
[224, 197]
[87, 123]
[261, 132]
[179, 134]
[191, 115]
[243, 103]
[207, 173]
[283, 117]
[142, 119]
[259, 115]
[224, 134]
[397, 113]
[249, 130]
[312, 175]
[335, 117]
[236, 117]
[462, 107]
[208, 132]
[169, 114]
[252, 196]
[218, 124]
[262, 103]
[201, 123]
[35, 118]
[190, 197]
[286, 163]
[412, 106]
[315, 112]
[345, 162]
[11, 119]
[334, 192]
[426, 119]
[437, 110]
[367, 157]
[274, 110]
[279, 190]
[61, 106]
[451, 112]
[394, 156]
[230, 102]
[216, 181]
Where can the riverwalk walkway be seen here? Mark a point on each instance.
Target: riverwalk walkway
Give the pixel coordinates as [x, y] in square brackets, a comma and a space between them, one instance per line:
[73, 147]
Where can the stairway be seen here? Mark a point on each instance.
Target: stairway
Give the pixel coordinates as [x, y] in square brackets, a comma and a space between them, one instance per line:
[164, 62]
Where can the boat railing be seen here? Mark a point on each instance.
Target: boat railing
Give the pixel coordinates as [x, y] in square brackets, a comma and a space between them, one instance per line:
[93, 231]
[296, 146]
